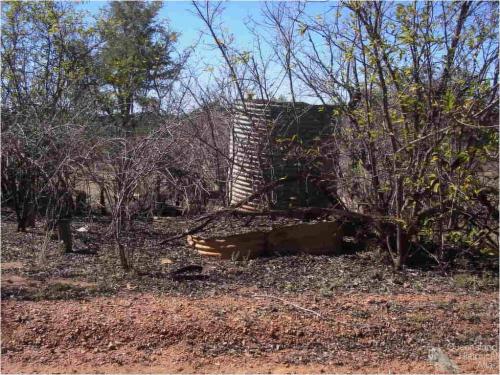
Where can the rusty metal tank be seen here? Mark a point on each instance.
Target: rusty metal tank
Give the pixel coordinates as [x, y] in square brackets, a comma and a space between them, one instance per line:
[260, 129]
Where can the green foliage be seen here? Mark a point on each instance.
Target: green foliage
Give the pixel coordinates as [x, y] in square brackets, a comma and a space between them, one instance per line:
[136, 57]
[50, 38]
[303, 29]
[422, 140]
[46, 74]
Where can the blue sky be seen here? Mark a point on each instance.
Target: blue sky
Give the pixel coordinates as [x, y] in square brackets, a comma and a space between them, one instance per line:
[181, 18]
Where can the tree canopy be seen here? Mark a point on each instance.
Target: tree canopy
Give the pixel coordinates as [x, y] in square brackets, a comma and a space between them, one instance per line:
[135, 63]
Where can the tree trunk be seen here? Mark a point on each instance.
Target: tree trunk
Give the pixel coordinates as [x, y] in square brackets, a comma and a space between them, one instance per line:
[403, 247]
[64, 232]
[31, 218]
[102, 202]
[26, 219]
[21, 224]
[124, 259]
[158, 203]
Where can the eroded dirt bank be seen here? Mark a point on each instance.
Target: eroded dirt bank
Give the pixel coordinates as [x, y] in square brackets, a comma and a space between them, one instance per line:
[251, 331]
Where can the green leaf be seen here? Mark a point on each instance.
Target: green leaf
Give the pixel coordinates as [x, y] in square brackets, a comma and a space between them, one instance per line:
[303, 28]
[449, 101]
[435, 187]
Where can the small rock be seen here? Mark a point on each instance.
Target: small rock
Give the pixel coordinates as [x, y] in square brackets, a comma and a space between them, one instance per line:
[166, 261]
[441, 360]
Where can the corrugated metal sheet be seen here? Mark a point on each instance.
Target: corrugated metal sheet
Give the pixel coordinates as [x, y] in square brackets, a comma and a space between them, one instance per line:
[256, 154]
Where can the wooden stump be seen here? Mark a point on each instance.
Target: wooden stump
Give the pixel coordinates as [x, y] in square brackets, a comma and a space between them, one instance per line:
[64, 232]
[31, 218]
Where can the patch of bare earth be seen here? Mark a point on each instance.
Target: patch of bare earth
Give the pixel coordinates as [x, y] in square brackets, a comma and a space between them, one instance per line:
[251, 331]
[80, 312]
[17, 281]
[12, 266]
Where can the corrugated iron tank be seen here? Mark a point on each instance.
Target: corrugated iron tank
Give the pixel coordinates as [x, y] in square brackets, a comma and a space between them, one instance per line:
[262, 134]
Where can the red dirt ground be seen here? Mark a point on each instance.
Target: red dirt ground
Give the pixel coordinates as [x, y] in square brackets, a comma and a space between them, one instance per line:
[248, 331]
[64, 313]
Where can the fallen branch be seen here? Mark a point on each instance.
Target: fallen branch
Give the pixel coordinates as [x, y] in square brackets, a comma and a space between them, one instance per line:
[288, 303]
[311, 213]
[209, 217]
[188, 232]
[300, 212]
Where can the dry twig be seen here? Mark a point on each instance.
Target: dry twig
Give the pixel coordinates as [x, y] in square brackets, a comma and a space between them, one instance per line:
[288, 303]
